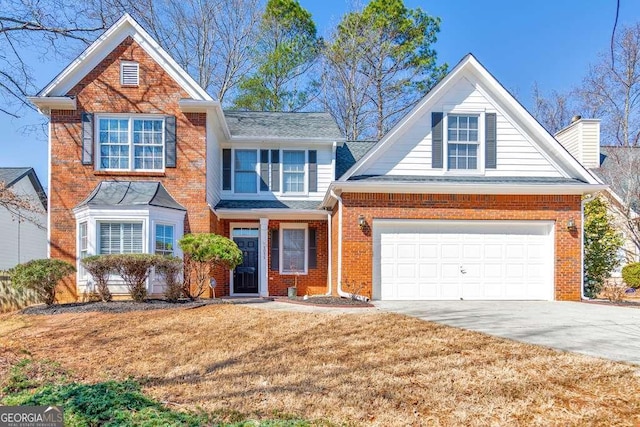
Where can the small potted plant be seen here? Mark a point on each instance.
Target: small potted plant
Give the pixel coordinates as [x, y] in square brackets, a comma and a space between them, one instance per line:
[292, 291]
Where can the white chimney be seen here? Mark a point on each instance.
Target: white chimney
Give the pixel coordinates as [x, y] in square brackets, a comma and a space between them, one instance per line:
[582, 139]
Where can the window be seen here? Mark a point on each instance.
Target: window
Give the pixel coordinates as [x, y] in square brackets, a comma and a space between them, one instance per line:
[164, 239]
[293, 171]
[128, 143]
[294, 249]
[246, 178]
[129, 73]
[83, 245]
[462, 136]
[120, 237]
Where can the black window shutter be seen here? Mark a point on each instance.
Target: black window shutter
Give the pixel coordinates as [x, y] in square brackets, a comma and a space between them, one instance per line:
[275, 249]
[226, 169]
[170, 141]
[490, 143]
[264, 170]
[275, 170]
[87, 138]
[313, 248]
[436, 140]
[313, 170]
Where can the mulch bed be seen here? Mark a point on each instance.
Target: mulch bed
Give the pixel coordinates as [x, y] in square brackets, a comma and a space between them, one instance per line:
[117, 306]
[326, 301]
[623, 303]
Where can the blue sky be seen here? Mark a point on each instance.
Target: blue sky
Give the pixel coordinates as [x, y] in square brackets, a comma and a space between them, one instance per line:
[551, 42]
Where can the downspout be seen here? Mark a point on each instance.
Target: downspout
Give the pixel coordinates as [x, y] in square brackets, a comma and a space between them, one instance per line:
[339, 288]
[329, 260]
[587, 198]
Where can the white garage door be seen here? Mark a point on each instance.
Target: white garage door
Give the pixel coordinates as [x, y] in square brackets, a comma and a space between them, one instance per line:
[452, 260]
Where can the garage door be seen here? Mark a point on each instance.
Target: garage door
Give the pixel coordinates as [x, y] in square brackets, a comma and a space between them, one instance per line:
[452, 260]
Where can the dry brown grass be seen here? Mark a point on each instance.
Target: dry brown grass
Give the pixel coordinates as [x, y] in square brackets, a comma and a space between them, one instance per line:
[369, 368]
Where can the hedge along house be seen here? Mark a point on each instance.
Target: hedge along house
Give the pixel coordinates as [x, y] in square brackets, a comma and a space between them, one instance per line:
[466, 197]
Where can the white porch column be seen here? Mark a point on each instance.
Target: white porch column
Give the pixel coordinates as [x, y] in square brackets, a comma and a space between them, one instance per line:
[263, 281]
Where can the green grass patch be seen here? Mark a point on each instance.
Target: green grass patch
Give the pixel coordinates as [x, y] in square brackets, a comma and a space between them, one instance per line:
[114, 403]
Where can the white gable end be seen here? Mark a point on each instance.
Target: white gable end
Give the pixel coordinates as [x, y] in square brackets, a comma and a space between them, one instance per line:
[410, 153]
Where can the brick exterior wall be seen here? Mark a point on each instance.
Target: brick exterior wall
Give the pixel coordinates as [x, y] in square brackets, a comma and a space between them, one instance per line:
[357, 245]
[312, 283]
[100, 92]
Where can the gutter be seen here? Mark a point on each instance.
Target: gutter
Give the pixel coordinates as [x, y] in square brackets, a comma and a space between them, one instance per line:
[339, 289]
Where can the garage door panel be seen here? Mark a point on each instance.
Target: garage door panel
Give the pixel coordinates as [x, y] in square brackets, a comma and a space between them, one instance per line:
[471, 259]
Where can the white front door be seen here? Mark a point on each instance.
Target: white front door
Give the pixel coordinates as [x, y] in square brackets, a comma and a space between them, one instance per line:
[481, 260]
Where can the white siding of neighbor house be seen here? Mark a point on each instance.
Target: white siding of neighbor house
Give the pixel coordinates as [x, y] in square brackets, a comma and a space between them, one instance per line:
[214, 161]
[410, 154]
[22, 240]
[325, 168]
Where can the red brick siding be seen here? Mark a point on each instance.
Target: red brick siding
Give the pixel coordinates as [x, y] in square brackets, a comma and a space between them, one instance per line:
[100, 91]
[357, 245]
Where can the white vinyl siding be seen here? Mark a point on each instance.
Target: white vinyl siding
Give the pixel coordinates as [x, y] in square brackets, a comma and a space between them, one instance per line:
[410, 154]
[120, 238]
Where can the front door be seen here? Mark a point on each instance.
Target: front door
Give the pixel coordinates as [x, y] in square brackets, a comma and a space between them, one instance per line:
[245, 276]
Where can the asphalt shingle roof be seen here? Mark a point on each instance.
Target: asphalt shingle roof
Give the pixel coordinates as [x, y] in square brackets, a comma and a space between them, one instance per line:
[268, 204]
[10, 175]
[282, 125]
[349, 153]
[131, 193]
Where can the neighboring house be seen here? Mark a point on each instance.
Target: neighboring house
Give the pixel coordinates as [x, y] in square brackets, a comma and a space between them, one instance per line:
[24, 232]
[615, 166]
[466, 197]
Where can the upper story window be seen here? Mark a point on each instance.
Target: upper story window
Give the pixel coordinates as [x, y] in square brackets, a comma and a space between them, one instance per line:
[129, 73]
[293, 174]
[246, 178]
[277, 171]
[462, 142]
[129, 143]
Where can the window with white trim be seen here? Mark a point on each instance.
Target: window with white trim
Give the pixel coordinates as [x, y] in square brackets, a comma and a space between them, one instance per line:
[129, 73]
[245, 176]
[120, 238]
[83, 245]
[293, 249]
[293, 173]
[462, 142]
[164, 239]
[131, 143]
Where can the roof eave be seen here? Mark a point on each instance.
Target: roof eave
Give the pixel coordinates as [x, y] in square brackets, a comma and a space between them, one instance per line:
[284, 139]
[271, 213]
[47, 103]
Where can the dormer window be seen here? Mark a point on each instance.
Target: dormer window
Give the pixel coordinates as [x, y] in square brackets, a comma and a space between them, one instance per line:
[129, 73]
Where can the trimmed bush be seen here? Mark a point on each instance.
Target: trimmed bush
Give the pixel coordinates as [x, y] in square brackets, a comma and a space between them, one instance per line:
[41, 276]
[169, 269]
[204, 251]
[631, 274]
[134, 270]
[100, 267]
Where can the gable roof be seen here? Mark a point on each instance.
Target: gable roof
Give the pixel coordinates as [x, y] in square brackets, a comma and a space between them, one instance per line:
[130, 193]
[349, 153]
[469, 65]
[10, 176]
[254, 124]
[125, 27]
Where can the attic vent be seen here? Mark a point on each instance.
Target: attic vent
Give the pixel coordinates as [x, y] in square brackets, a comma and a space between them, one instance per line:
[129, 73]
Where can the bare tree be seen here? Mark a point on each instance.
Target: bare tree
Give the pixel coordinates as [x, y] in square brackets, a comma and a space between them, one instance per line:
[554, 111]
[611, 90]
[21, 207]
[51, 27]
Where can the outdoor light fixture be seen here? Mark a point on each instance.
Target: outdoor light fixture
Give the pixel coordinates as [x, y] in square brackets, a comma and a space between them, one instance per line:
[361, 221]
[571, 225]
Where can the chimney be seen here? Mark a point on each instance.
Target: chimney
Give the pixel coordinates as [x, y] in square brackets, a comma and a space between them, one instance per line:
[582, 139]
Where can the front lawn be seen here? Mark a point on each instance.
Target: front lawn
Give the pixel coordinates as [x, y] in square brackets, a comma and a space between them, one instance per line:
[364, 368]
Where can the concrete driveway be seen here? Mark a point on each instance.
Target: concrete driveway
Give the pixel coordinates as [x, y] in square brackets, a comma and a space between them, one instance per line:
[597, 330]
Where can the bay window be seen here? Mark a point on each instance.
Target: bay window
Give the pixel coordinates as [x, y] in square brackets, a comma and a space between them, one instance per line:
[120, 238]
[164, 239]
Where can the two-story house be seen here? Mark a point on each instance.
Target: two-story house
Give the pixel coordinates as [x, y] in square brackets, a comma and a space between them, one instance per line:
[467, 197]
